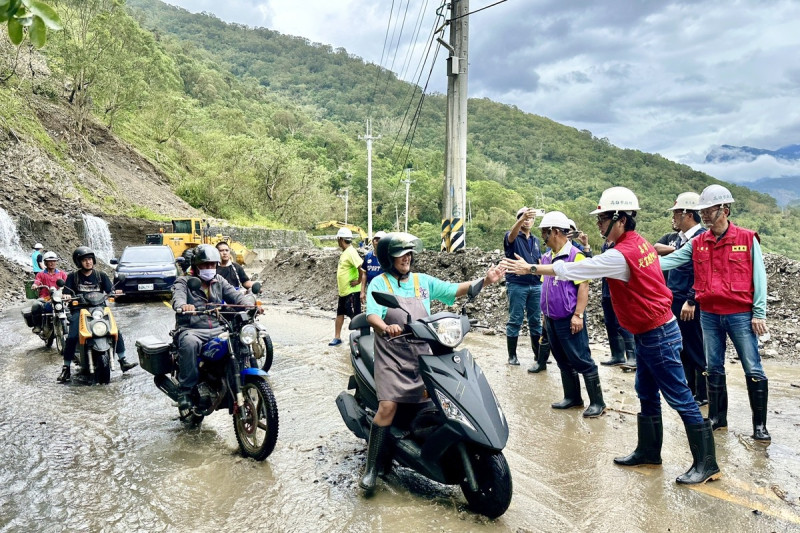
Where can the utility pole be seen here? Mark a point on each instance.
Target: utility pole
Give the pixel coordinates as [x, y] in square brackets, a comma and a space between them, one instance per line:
[369, 138]
[408, 183]
[346, 198]
[455, 181]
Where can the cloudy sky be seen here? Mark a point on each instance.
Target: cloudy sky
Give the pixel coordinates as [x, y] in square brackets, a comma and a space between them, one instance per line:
[671, 77]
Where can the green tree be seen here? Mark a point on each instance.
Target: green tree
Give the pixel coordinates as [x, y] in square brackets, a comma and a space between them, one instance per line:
[29, 16]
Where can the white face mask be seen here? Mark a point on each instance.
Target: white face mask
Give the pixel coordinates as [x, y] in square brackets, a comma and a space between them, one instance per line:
[207, 274]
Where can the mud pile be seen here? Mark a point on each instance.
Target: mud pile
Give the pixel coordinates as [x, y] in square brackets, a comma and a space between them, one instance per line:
[309, 276]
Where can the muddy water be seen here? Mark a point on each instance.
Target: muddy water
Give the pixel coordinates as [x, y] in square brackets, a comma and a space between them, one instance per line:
[114, 458]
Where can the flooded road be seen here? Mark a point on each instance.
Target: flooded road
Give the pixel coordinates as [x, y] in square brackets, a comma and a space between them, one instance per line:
[115, 458]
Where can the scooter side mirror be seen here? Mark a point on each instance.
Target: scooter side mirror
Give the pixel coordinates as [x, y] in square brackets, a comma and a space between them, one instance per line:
[256, 287]
[181, 261]
[121, 278]
[475, 288]
[194, 283]
[114, 261]
[386, 299]
[60, 283]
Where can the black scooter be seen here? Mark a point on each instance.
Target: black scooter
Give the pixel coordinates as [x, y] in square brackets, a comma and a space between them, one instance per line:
[458, 435]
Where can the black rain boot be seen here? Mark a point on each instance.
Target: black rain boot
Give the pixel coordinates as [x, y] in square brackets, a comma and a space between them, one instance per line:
[648, 448]
[572, 391]
[377, 437]
[125, 365]
[701, 396]
[630, 360]
[542, 355]
[511, 344]
[757, 391]
[704, 466]
[66, 375]
[184, 404]
[717, 400]
[614, 361]
[595, 392]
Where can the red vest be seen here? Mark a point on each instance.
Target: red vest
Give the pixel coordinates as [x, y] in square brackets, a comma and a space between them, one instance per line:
[644, 302]
[723, 271]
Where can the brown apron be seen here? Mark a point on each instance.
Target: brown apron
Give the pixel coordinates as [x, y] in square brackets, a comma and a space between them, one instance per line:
[397, 362]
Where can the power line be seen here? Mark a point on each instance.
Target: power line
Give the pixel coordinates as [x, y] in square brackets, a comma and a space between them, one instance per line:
[477, 10]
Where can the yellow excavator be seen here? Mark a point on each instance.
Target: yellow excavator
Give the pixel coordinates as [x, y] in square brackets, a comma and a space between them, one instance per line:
[189, 232]
[336, 224]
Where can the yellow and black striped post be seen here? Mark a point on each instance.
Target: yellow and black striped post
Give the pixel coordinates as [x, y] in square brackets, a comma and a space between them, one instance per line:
[445, 235]
[457, 236]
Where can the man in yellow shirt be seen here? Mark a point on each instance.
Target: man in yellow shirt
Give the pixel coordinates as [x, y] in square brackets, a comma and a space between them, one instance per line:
[348, 279]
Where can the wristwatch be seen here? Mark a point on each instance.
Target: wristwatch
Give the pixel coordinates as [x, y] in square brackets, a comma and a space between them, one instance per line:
[533, 269]
[579, 315]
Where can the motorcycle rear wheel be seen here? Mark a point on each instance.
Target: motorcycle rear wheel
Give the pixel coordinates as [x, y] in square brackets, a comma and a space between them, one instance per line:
[257, 433]
[494, 483]
[264, 353]
[102, 367]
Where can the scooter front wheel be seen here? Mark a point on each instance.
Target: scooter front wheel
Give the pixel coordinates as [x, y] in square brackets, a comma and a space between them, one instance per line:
[102, 367]
[256, 423]
[494, 483]
[59, 334]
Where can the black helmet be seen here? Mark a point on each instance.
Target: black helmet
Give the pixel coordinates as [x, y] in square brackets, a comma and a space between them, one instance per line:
[205, 253]
[82, 252]
[396, 245]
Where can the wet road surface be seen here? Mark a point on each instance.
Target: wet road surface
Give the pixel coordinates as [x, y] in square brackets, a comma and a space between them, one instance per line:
[115, 458]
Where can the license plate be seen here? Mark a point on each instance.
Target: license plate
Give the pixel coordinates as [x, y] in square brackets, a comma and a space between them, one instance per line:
[145, 286]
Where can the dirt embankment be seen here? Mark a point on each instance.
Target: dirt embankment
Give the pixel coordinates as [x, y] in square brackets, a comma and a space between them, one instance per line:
[309, 276]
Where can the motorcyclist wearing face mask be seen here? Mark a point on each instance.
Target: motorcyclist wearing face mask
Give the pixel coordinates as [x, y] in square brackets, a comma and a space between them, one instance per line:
[195, 330]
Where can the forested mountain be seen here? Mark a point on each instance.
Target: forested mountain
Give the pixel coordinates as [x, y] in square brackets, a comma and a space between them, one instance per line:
[260, 127]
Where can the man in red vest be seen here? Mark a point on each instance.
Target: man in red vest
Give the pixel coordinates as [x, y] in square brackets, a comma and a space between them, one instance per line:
[642, 302]
[730, 284]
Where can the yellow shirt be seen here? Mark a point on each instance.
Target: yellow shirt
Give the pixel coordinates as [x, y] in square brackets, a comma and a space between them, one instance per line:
[347, 271]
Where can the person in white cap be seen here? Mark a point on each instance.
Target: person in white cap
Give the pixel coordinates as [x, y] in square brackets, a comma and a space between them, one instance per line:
[371, 268]
[686, 220]
[730, 284]
[642, 302]
[349, 277]
[523, 290]
[36, 258]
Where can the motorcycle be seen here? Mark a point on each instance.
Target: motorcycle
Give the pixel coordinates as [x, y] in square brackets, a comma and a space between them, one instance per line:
[229, 377]
[55, 323]
[457, 436]
[97, 335]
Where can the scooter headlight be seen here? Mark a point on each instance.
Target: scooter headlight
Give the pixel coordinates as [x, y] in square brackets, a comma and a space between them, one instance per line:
[58, 307]
[97, 314]
[100, 329]
[248, 334]
[451, 411]
[449, 331]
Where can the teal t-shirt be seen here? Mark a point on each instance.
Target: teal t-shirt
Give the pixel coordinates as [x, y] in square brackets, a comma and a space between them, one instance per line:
[430, 288]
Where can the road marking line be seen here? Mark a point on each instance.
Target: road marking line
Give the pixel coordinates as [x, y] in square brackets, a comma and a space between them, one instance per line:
[719, 492]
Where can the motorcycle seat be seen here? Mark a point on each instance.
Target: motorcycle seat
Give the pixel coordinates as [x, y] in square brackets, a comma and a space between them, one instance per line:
[366, 350]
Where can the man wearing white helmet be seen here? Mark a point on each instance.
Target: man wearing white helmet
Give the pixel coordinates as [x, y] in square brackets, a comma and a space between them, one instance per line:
[563, 304]
[730, 284]
[371, 268]
[523, 290]
[349, 276]
[36, 258]
[686, 220]
[44, 280]
[642, 302]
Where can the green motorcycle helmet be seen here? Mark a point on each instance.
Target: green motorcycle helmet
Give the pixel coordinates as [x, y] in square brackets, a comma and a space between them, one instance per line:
[394, 245]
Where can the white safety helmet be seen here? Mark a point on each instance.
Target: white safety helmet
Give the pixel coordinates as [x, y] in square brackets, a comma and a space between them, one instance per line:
[50, 256]
[38, 246]
[686, 201]
[617, 199]
[345, 234]
[555, 219]
[379, 235]
[714, 195]
[572, 224]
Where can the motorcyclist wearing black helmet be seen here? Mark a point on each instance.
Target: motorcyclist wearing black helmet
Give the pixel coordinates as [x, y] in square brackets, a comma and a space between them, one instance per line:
[396, 363]
[195, 330]
[87, 279]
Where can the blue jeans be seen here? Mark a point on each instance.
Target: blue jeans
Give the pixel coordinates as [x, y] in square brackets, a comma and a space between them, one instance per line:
[523, 299]
[659, 369]
[571, 351]
[71, 344]
[739, 328]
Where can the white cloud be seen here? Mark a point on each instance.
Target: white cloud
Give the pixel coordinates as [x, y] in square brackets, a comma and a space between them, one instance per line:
[673, 77]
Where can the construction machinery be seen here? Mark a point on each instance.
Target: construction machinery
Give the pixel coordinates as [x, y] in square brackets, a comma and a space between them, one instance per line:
[336, 224]
[188, 233]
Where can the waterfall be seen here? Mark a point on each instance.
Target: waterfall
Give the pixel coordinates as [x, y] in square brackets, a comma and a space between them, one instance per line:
[9, 241]
[98, 238]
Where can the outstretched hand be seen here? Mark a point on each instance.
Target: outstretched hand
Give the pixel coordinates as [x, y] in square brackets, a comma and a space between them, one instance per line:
[516, 266]
[494, 273]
